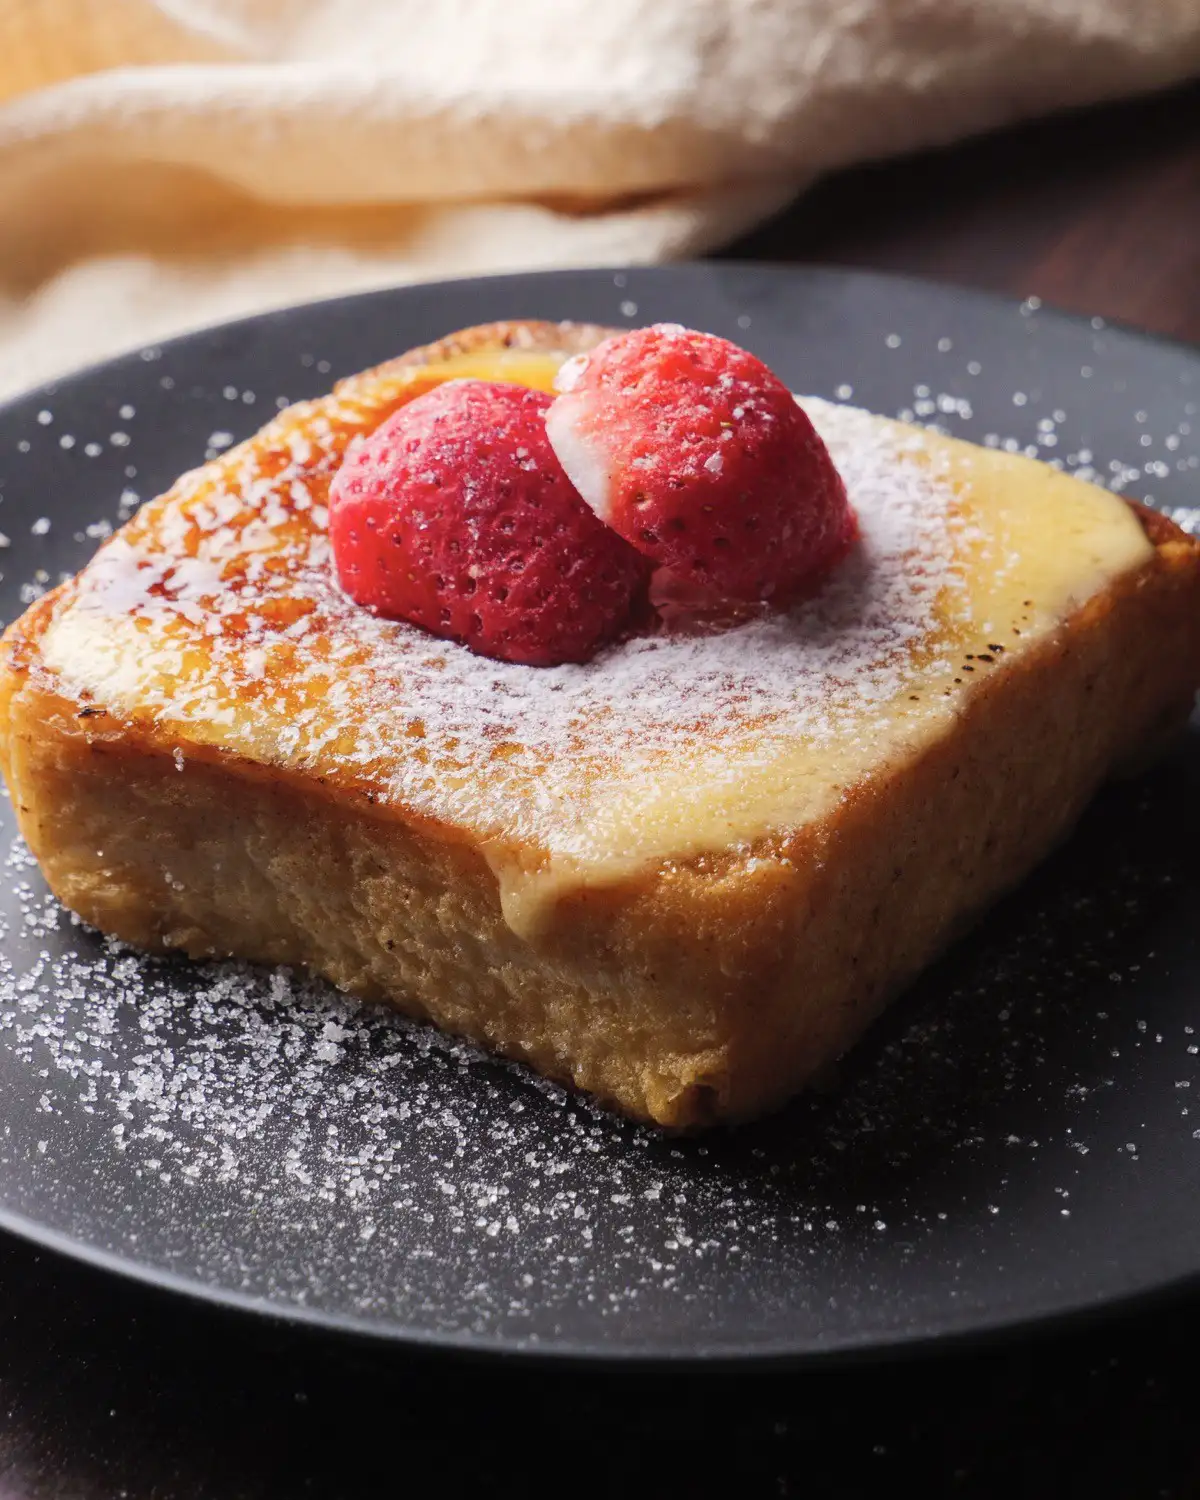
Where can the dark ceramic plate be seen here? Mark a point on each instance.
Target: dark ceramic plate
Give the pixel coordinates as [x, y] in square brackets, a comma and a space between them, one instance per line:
[1019, 1138]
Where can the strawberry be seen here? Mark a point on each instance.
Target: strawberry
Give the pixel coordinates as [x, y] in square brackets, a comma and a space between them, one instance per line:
[699, 456]
[456, 515]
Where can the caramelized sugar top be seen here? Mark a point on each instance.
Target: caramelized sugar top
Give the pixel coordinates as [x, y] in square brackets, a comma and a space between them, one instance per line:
[212, 619]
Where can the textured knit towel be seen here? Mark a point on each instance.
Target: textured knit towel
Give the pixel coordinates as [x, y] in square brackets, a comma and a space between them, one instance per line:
[165, 163]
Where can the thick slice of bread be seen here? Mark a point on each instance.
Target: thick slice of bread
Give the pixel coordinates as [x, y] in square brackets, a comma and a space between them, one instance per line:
[684, 876]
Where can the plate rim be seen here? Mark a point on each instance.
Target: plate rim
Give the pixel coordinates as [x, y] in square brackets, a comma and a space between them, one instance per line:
[766, 268]
[871, 1347]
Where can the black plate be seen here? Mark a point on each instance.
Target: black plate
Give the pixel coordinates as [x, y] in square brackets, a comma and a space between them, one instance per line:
[1019, 1138]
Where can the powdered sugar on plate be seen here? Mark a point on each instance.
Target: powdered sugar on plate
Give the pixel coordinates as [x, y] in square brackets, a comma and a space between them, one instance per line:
[257, 1132]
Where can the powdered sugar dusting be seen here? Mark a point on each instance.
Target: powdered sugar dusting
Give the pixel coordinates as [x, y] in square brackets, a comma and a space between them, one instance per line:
[239, 607]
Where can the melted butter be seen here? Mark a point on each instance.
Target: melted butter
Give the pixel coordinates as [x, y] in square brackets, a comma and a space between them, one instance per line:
[211, 618]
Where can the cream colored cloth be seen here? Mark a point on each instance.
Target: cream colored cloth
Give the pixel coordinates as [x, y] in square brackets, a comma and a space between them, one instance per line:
[165, 163]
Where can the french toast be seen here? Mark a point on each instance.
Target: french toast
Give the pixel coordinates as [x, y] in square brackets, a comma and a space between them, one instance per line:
[683, 876]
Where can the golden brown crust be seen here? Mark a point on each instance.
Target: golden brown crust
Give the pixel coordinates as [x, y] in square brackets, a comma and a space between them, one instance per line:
[691, 992]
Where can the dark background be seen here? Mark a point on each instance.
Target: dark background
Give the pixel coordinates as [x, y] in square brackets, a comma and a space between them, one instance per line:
[108, 1389]
[1096, 213]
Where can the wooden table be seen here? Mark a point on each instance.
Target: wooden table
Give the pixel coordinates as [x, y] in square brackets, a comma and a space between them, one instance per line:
[108, 1389]
[1097, 212]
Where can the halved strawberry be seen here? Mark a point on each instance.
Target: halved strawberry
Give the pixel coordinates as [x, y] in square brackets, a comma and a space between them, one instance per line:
[699, 456]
